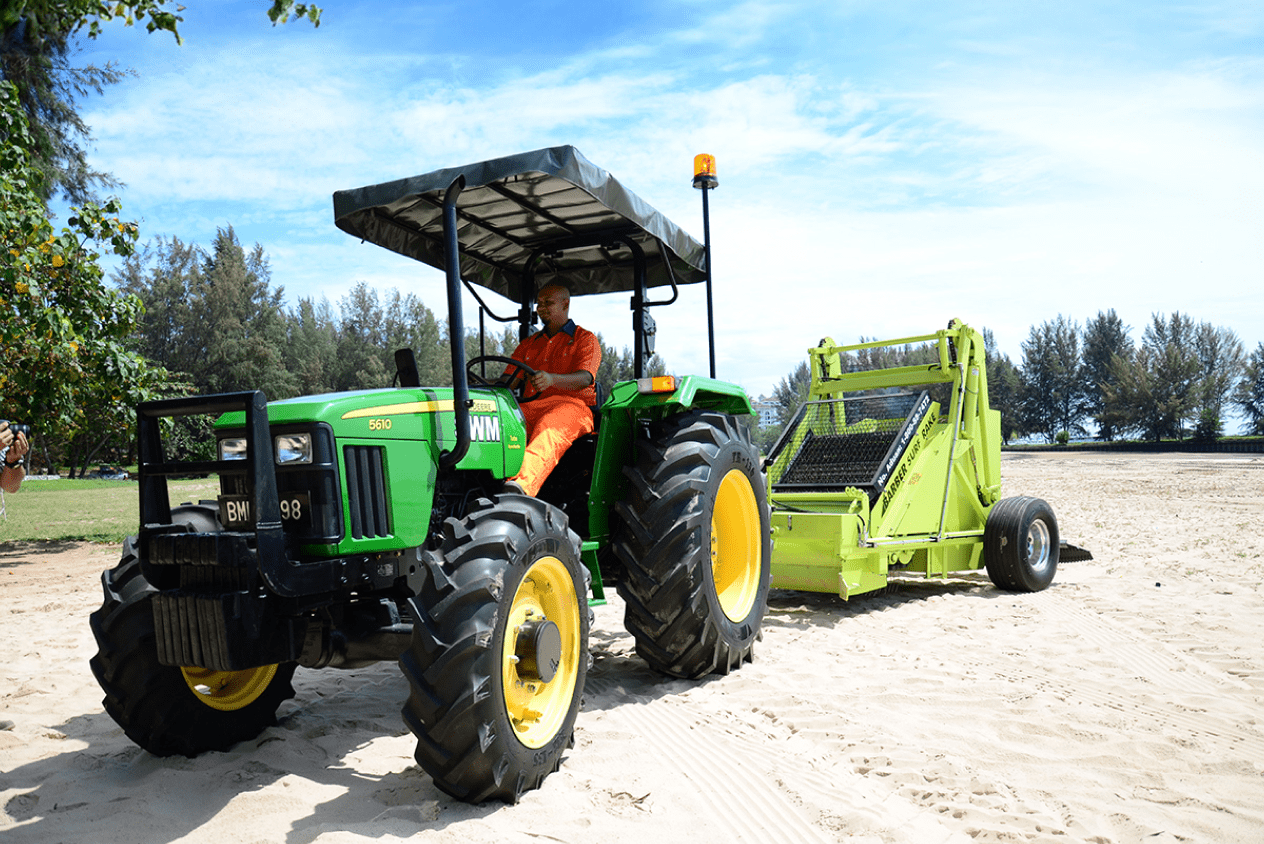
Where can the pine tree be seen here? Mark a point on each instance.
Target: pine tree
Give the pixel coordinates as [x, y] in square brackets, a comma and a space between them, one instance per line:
[1054, 392]
[1220, 363]
[1249, 395]
[1105, 338]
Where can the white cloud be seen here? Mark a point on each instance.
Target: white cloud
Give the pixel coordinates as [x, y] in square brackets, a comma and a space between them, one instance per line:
[1000, 181]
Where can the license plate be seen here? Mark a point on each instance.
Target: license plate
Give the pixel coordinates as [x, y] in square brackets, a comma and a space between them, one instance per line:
[235, 511]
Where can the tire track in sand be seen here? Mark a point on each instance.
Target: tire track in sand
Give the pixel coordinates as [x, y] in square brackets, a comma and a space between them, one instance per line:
[749, 808]
[753, 804]
[1182, 694]
[1189, 721]
[1152, 659]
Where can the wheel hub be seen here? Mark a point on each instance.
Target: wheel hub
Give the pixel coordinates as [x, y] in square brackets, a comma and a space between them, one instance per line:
[228, 691]
[736, 552]
[1038, 553]
[539, 650]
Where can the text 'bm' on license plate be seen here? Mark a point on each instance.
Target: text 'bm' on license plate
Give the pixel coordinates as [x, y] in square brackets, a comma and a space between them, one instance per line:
[237, 511]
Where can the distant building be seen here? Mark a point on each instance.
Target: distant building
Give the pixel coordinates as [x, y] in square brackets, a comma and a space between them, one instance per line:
[768, 410]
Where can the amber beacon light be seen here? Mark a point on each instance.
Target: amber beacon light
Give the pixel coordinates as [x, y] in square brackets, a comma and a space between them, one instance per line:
[704, 171]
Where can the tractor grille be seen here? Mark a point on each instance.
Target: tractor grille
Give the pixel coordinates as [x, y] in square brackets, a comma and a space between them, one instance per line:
[366, 491]
[849, 442]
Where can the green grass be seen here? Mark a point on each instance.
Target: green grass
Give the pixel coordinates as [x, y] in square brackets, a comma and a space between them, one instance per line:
[87, 510]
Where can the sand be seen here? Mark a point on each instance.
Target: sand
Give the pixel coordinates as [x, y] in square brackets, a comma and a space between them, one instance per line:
[1124, 704]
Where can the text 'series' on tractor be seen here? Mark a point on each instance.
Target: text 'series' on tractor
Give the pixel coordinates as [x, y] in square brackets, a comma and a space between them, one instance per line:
[372, 525]
[899, 469]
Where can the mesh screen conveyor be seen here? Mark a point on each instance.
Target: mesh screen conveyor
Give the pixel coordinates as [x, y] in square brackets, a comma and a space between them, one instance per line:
[851, 442]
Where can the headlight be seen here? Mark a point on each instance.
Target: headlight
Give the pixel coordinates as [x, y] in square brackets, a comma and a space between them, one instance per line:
[233, 448]
[293, 448]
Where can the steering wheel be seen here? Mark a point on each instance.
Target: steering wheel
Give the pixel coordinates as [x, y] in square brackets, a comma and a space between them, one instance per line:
[518, 368]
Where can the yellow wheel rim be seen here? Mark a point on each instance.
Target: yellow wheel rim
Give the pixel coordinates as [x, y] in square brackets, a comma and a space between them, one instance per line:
[229, 690]
[537, 708]
[736, 546]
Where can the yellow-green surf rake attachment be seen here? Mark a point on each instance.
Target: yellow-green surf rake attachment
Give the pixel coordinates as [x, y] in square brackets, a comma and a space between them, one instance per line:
[875, 475]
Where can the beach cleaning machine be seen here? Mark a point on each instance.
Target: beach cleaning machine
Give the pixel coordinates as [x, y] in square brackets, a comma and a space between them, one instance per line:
[874, 475]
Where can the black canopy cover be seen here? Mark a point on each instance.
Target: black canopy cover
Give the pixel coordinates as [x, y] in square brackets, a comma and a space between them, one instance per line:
[514, 205]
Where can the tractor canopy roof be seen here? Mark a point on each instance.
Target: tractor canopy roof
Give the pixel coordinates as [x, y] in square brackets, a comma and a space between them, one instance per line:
[515, 207]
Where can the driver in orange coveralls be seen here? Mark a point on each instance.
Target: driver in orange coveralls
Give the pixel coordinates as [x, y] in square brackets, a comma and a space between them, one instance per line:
[565, 358]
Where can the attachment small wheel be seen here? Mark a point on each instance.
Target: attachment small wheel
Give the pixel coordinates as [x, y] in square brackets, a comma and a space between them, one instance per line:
[1021, 545]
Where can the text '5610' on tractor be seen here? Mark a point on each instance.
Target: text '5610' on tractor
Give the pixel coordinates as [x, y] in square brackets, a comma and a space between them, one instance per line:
[371, 525]
[876, 474]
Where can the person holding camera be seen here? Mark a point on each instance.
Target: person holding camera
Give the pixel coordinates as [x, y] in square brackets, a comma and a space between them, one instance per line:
[13, 451]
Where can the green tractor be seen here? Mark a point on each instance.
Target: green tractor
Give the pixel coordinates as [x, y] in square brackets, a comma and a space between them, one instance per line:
[874, 475]
[372, 525]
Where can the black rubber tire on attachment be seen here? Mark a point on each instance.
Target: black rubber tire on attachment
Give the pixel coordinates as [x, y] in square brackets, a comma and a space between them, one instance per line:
[486, 727]
[696, 511]
[1020, 544]
[155, 704]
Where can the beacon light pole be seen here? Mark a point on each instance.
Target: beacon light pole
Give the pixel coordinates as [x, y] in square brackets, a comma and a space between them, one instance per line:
[704, 179]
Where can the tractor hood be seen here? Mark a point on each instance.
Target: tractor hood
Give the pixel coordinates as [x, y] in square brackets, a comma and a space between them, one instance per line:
[513, 207]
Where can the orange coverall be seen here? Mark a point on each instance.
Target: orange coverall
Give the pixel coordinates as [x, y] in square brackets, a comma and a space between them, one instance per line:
[558, 417]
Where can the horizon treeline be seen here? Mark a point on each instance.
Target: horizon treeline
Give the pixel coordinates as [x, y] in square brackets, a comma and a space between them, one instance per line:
[1179, 381]
[213, 320]
[210, 321]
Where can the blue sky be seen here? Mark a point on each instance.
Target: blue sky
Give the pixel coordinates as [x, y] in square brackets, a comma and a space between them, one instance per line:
[884, 166]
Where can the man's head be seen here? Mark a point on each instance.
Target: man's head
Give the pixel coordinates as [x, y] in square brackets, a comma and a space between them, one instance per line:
[553, 304]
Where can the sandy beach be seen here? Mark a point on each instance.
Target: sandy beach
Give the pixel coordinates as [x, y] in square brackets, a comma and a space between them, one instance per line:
[1124, 704]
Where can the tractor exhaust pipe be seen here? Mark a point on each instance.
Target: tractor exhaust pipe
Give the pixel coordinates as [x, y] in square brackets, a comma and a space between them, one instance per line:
[456, 328]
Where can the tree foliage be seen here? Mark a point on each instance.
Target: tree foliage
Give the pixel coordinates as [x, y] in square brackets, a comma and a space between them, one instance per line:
[1105, 338]
[214, 320]
[1005, 385]
[1181, 380]
[70, 367]
[1054, 391]
[48, 86]
[620, 365]
[212, 317]
[1154, 394]
[50, 18]
[792, 391]
[64, 332]
[1249, 393]
[1220, 367]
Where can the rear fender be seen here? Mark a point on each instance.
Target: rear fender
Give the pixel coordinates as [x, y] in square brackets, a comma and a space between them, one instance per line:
[627, 408]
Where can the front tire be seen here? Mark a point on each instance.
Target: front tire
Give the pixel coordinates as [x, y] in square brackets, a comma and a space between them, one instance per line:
[693, 537]
[499, 653]
[168, 709]
[1021, 544]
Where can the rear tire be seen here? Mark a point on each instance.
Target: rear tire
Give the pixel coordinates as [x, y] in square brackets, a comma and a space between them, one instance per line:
[499, 653]
[167, 709]
[693, 537]
[1020, 544]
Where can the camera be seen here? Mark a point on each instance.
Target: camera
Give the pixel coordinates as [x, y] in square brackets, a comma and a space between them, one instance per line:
[17, 428]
